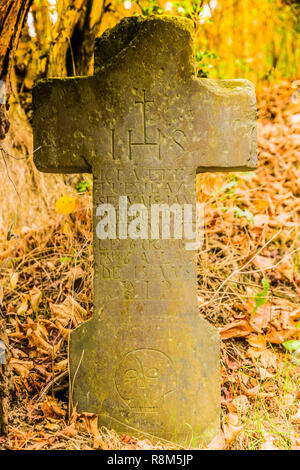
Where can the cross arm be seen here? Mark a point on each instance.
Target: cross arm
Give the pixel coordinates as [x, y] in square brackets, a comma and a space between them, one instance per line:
[59, 125]
[224, 125]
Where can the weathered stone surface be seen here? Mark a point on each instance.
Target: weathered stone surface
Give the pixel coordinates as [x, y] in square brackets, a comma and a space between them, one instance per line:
[144, 125]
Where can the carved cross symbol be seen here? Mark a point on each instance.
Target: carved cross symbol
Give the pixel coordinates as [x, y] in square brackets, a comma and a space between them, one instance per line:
[143, 103]
[144, 125]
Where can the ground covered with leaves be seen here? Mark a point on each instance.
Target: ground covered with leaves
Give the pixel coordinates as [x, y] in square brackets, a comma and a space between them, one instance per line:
[248, 289]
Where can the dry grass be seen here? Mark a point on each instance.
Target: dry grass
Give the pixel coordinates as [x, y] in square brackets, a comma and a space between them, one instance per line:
[251, 230]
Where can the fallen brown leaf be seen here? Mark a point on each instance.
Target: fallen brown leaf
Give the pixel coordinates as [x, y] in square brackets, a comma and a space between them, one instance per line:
[35, 298]
[236, 329]
[262, 316]
[296, 417]
[21, 368]
[232, 429]
[90, 421]
[13, 281]
[258, 341]
[218, 443]
[249, 392]
[268, 443]
[52, 409]
[69, 431]
[69, 312]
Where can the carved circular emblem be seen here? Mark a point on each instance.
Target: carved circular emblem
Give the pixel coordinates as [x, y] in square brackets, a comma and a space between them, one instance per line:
[144, 378]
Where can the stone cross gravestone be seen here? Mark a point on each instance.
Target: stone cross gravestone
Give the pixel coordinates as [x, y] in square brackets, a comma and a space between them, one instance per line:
[144, 125]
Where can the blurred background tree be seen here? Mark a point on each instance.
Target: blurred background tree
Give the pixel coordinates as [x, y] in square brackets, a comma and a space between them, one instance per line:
[254, 39]
[12, 16]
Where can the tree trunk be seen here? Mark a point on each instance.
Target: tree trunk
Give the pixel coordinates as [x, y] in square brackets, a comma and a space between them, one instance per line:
[5, 379]
[68, 13]
[12, 16]
[80, 54]
[73, 37]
